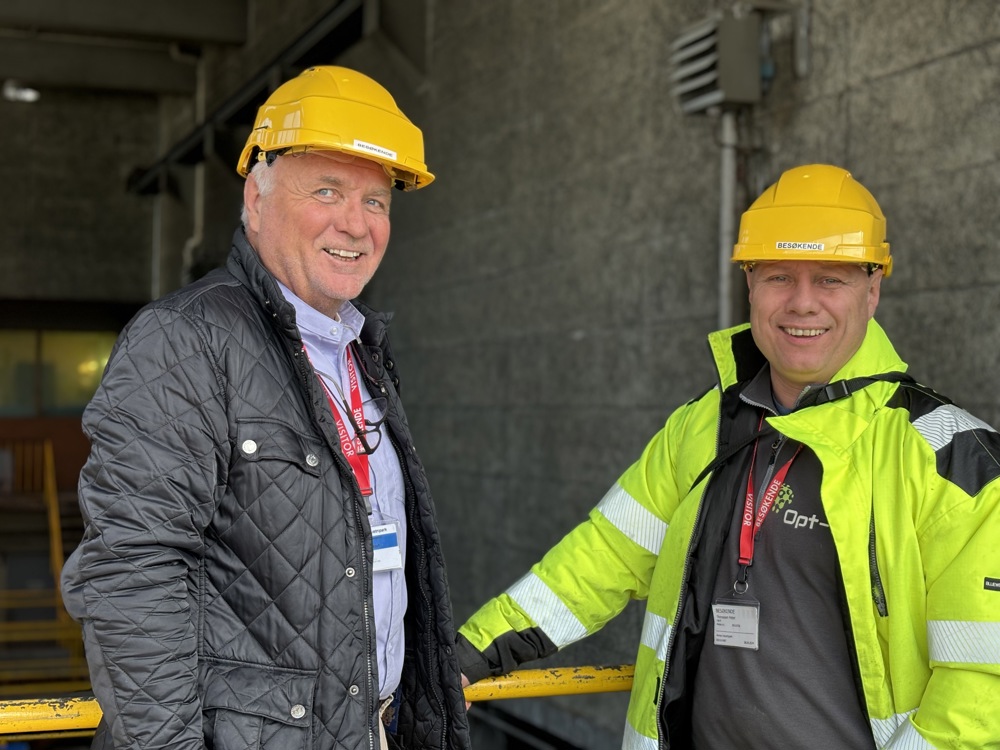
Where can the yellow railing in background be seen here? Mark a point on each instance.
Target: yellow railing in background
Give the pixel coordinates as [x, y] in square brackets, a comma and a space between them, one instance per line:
[27, 719]
[28, 483]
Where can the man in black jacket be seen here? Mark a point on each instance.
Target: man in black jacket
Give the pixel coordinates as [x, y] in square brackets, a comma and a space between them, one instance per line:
[261, 565]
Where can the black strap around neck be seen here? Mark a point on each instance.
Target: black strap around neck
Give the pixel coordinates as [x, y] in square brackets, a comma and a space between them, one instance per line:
[820, 395]
[839, 389]
[732, 451]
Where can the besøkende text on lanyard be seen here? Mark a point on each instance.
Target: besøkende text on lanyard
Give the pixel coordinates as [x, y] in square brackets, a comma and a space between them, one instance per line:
[751, 523]
[349, 445]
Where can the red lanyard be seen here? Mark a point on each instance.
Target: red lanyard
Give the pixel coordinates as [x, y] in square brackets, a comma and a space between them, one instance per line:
[751, 525]
[348, 444]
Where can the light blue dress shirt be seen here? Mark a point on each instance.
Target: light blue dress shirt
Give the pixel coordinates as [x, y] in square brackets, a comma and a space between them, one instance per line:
[326, 342]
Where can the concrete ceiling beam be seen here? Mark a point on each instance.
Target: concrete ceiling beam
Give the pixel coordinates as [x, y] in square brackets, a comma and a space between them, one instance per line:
[65, 64]
[191, 21]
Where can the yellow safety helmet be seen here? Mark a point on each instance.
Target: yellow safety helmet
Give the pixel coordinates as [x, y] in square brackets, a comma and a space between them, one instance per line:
[814, 212]
[330, 108]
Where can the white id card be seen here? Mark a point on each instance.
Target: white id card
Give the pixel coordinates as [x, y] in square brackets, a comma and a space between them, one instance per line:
[736, 622]
[385, 545]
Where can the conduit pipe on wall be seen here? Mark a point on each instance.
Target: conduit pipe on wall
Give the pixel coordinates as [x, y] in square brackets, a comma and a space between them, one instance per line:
[192, 243]
[727, 207]
[716, 72]
[719, 67]
[198, 198]
[156, 250]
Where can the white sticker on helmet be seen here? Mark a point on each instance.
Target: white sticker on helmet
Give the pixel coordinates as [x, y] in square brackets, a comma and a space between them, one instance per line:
[371, 148]
[800, 246]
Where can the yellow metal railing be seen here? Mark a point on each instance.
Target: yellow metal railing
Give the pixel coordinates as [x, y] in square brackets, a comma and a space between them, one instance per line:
[541, 683]
[50, 717]
[28, 719]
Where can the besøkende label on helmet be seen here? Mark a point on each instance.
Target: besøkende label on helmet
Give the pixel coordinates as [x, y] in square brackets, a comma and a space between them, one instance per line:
[800, 246]
[373, 149]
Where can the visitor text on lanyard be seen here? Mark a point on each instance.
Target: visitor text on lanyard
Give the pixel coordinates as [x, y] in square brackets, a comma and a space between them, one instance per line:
[751, 523]
[349, 444]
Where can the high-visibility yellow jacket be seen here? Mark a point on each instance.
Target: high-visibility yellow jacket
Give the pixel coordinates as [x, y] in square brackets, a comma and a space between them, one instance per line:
[911, 492]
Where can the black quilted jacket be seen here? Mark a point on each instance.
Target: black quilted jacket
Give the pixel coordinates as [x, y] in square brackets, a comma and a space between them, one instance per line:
[224, 579]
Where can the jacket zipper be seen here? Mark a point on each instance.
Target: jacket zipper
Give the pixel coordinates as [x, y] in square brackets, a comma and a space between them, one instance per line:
[878, 592]
[307, 380]
[428, 606]
[660, 725]
[775, 449]
[673, 629]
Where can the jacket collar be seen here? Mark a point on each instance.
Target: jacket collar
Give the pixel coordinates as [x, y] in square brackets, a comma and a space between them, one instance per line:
[737, 358]
[245, 264]
[876, 356]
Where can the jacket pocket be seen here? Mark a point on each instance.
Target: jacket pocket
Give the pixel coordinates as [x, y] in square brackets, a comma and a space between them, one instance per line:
[270, 439]
[248, 706]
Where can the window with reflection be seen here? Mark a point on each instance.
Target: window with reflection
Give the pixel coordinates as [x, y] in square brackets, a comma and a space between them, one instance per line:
[50, 373]
[18, 373]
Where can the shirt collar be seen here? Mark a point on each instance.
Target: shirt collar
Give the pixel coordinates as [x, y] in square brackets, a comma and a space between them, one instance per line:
[338, 333]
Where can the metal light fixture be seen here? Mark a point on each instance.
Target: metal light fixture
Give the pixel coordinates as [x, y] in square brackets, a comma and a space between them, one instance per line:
[717, 63]
[16, 92]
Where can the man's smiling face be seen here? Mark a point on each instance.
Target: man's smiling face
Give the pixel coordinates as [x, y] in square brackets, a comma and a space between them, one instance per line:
[809, 318]
[320, 225]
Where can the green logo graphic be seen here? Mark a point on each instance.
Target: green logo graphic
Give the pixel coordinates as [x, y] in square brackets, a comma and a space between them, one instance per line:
[784, 498]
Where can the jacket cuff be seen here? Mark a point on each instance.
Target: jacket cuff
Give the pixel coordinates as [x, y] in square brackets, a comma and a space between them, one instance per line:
[472, 663]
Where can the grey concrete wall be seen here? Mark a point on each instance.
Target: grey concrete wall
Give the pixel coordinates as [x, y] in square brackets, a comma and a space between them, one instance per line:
[70, 229]
[553, 288]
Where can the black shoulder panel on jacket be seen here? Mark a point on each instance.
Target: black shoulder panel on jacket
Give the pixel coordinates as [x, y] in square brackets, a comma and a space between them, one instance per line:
[971, 460]
[919, 400]
[967, 449]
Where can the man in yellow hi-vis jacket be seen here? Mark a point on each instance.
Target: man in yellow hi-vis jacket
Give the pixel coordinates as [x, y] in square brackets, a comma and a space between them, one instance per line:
[815, 538]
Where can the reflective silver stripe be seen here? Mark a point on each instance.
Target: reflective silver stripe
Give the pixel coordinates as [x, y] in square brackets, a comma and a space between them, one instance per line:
[940, 425]
[633, 520]
[885, 729]
[906, 737]
[547, 609]
[635, 741]
[656, 634]
[964, 641]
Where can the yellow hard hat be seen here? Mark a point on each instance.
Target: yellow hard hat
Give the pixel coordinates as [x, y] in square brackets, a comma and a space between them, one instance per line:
[330, 108]
[814, 212]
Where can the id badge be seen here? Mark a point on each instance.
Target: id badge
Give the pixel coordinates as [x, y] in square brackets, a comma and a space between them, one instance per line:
[737, 622]
[385, 545]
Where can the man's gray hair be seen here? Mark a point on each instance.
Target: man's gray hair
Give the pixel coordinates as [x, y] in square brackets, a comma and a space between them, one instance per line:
[263, 175]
